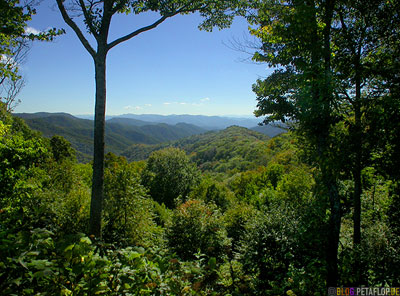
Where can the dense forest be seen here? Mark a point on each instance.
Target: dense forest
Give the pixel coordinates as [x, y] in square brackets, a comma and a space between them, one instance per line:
[229, 212]
[120, 133]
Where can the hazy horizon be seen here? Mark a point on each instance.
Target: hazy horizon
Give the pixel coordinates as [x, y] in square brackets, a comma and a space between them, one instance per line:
[246, 116]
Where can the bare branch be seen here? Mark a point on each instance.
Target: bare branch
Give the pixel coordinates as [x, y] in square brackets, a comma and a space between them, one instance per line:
[12, 89]
[76, 29]
[246, 46]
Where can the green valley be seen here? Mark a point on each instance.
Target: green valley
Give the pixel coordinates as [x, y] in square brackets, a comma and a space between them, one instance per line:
[120, 134]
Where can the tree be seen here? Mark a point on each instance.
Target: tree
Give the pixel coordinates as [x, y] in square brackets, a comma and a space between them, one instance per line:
[23, 154]
[361, 26]
[331, 57]
[197, 227]
[296, 40]
[14, 45]
[97, 17]
[13, 48]
[11, 82]
[170, 174]
[62, 149]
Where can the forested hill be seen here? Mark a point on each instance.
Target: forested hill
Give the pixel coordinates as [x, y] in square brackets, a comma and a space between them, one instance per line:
[219, 151]
[204, 122]
[119, 134]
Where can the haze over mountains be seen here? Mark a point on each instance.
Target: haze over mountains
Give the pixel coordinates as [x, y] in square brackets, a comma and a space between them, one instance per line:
[205, 122]
[126, 130]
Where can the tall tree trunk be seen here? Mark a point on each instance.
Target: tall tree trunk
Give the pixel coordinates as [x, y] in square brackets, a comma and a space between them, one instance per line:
[357, 175]
[330, 178]
[334, 232]
[96, 205]
[323, 93]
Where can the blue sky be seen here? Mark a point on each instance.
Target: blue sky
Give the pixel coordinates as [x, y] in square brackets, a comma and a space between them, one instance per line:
[173, 69]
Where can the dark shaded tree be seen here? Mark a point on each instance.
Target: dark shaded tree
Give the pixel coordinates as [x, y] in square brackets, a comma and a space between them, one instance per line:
[61, 149]
[362, 32]
[296, 40]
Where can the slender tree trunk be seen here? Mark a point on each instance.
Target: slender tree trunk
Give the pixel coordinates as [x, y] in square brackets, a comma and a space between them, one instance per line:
[96, 204]
[357, 177]
[357, 204]
[330, 181]
[334, 232]
[358, 160]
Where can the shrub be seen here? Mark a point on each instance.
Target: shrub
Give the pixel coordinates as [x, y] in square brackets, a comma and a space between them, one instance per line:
[197, 227]
[170, 174]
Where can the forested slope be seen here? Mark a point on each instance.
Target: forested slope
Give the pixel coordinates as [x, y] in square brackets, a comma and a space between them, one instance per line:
[235, 148]
[120, 134]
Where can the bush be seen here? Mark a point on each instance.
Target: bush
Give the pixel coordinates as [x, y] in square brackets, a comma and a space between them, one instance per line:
[197, 227]
[36, 263]
[211, 191]
[169, 174]
[128, 212]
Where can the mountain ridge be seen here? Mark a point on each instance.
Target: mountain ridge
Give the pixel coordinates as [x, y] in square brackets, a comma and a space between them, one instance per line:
[221, 151]
[118, 136]
[203, 121]
[122, 133]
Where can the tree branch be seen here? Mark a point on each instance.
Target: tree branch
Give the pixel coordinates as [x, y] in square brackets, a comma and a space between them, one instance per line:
[105, 22]
[141, 30]
[76, 29]
[184, 9]
[88, 19]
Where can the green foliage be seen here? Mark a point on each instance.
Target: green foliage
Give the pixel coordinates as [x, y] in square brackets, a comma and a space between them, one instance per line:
[38, 190]
[22, 158]
[324, 53]
[237, 219]
[234, 148]
[266, 251]
[14, 44]
[61, 149]
[120, 135]
[379, 245]
[296, 186]
[282, 249]
[212, 191]
[227, 151]
[256, 232]
[252, 187]
[268, 183]
[12, 24]
[36, 263]
[128, 215]
[169, 175]
[197, 227]
[66, 197]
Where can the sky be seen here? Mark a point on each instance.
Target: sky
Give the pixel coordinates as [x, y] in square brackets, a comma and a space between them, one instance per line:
[172, 69]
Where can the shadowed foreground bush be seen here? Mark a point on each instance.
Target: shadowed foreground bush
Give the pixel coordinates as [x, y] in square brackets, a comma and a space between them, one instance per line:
[35, 263]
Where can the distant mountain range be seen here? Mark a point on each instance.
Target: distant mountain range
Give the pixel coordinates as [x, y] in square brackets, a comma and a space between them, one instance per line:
[119, 134]
[125, 130]
[205, 122]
